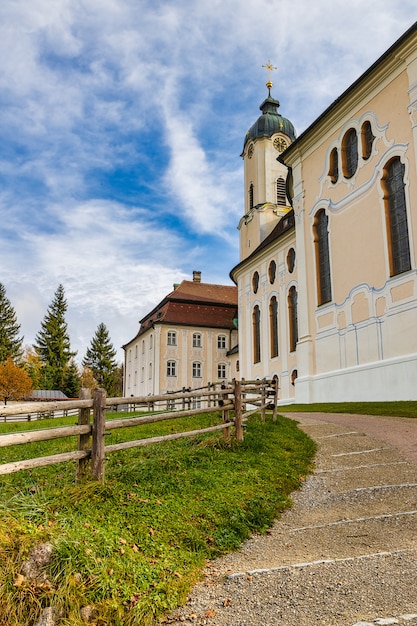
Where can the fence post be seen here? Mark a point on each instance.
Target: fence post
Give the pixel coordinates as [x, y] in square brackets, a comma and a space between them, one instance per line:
[238, 410]
[225, 416]
[263, 398]
[275, 385]
[84, 441]
[97, 452]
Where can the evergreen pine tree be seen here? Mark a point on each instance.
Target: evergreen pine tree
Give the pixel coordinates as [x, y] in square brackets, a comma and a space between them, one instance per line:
[53, 343]
[100, 358]
[72, 380]
[10, 342]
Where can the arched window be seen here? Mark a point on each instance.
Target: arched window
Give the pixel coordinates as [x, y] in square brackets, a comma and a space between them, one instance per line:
[291, 260]
[255, 282]
[273, 326]
[396, 216]
[367, 139]
[251, 196]
[321, 242]
[281, 192]
[350, 153]
[272, 271]
[334, 166]
[256, 324]
[293, 318]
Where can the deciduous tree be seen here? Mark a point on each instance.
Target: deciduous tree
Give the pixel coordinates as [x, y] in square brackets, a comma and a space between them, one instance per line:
[10, 342]
[15, 383]
[53, 343]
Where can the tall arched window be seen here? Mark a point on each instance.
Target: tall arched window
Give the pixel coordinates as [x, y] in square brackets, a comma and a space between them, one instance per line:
[281, 192]
[293, 318]
[334, 166]
[256, 324]
[321, 241]
[273, 326]
[350, 153]
[367, 139]
[396, 214]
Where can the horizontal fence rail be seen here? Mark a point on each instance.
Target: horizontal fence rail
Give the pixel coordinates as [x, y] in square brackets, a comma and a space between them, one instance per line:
[236, 397]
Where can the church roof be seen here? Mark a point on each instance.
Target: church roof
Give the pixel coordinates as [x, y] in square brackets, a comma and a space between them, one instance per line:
[270, 122]
[286, 223]
[196, 304]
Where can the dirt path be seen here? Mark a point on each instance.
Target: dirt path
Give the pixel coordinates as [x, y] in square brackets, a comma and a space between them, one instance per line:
[345, 554]
[398, 432]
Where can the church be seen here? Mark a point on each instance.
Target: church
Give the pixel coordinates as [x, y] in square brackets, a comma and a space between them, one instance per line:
[326, 280]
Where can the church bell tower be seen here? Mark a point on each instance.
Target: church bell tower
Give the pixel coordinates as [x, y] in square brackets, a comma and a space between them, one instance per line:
[265, 178]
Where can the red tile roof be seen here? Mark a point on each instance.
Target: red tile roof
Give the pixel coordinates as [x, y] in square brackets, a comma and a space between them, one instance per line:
[194, 303]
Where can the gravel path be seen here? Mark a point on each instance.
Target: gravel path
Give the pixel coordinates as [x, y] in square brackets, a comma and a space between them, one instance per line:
[345, 554]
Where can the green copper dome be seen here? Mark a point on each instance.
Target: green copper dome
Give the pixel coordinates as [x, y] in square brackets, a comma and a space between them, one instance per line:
[270, 122]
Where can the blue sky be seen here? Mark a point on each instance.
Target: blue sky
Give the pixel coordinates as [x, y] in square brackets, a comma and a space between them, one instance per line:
[122, 122]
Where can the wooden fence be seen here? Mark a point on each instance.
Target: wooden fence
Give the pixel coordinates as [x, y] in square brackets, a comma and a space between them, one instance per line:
[242, 398]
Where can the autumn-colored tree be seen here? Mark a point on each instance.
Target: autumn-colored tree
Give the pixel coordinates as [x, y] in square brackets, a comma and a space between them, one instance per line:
[87, 379]
[33, 364]
[15, 383]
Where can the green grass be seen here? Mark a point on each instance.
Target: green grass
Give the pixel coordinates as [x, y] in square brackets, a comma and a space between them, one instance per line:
[391, 409]
[133, 546]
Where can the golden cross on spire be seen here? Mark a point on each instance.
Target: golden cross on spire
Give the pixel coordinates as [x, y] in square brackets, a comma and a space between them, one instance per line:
[270, 68]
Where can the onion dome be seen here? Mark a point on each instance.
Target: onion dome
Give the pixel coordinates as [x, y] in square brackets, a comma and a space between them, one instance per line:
[270, 122]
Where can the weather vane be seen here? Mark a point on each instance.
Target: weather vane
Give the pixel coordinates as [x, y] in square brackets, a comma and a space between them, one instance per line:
[270, 68]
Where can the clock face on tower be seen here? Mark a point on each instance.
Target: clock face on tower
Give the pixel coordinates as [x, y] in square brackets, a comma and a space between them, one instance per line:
[280, 144]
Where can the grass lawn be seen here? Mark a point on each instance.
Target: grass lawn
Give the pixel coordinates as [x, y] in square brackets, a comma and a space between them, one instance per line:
[133, 546]
[397, 409]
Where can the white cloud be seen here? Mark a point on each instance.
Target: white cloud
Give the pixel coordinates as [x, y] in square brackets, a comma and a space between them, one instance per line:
[122, 124]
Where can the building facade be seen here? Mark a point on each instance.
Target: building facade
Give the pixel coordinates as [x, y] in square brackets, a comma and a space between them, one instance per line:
[327, 282]
[185, 341]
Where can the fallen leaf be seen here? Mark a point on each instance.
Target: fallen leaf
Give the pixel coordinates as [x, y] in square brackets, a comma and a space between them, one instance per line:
[210, 613]
[135, 548]
[19, 580]
[122, 541]
[152, 532]
[227, 602]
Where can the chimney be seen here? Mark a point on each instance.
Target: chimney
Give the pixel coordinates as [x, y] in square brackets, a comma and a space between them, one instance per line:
[196, 277]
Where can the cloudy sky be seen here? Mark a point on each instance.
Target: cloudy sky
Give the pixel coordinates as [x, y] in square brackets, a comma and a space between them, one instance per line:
[122, 122]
